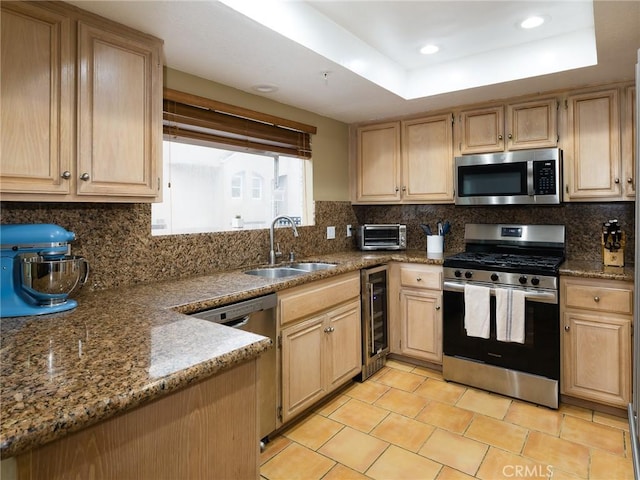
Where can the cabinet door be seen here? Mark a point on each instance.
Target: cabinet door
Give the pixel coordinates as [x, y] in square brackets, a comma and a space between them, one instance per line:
[592, 153]
[378, 163]
[482, 130]
[630, 125]
[427, 159]
[303, 357]
[597, 357]
[532, 124]
[36, 141]
[345, 344]
[421, 324]
[119, 108]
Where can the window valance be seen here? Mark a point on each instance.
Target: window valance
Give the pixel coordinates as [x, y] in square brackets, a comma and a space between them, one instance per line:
[203, 121]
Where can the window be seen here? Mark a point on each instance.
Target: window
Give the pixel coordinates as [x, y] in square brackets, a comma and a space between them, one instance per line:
[229, 171]
[236, 186]
[256, 187]
[204, 190]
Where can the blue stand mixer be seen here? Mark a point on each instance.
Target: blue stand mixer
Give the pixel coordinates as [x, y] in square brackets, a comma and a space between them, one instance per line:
[37, 271]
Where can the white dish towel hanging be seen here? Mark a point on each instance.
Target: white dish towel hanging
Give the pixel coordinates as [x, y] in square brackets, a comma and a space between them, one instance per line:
[510, 315]
[477, 311]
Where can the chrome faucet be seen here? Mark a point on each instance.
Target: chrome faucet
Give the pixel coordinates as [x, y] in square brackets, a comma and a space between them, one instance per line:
[272, 253]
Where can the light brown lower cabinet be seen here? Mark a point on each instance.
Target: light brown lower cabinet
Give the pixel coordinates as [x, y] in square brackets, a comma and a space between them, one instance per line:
[595, 340]
[321, 347]
[415, 293]
[207, 430]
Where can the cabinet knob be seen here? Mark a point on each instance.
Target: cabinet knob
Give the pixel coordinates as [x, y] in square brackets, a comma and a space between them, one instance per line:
[397, 189]
[617, 180]
[329, 330]
[66, 175]
[510, 136]
[437, 307]
[404, 189]
[566, 328]
[84, 176]
[596, 299]
[499, 137]
[419, 279]
[629, 180]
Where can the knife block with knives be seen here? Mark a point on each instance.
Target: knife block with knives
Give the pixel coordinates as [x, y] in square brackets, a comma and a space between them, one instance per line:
[613, 243]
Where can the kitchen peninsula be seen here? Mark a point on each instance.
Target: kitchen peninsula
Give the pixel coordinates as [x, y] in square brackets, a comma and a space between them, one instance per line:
[131, 382]
[124, 352]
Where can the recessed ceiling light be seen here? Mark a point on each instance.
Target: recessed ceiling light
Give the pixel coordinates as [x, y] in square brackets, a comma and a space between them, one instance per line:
[532, 22]
[429, 49]
[265, 88]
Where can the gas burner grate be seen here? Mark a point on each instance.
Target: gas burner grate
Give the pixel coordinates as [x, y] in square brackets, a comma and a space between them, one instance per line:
[504, 261]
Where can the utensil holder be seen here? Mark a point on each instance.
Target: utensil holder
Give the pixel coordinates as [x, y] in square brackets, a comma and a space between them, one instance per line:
[613, 257]
[435, 243]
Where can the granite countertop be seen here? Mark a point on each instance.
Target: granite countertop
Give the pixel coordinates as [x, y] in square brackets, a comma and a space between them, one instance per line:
[593, 269]
[122, 348]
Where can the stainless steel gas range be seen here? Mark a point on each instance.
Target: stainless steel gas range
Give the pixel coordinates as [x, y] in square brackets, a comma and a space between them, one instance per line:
[501, 316]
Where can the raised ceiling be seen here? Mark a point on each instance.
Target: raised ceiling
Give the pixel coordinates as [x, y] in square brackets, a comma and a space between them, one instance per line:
[358, 60]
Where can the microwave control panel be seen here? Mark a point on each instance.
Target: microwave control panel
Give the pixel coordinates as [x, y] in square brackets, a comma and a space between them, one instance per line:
[544, 177]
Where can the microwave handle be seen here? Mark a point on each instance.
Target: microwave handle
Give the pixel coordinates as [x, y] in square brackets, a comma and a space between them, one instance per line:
[530, 188]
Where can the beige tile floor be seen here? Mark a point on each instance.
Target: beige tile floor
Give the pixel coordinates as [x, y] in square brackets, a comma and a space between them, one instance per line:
[405, 422]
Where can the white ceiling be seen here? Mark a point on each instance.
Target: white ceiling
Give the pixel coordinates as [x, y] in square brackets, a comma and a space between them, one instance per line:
[379, 40]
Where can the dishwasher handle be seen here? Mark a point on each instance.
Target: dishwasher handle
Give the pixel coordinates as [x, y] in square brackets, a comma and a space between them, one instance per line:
[237, 322]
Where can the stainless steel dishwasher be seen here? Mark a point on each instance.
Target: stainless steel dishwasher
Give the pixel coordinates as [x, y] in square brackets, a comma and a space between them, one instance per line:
[256, 315]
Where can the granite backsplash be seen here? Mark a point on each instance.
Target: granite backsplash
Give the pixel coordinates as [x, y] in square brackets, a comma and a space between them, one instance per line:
[116, 238]
[583, 222]
[116, 241]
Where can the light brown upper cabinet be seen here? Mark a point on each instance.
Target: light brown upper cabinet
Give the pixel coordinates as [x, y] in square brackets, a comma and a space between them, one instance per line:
[82, 106]
[377, 174]
[629, 126]
[530, 124]
[592, 161]
[405, 162]
[37, 91]
[427, 159]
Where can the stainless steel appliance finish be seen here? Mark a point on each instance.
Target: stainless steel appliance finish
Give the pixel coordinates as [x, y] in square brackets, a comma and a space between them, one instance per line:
[513, 383]
[516, 257]
[375, 322]
[390, 236]
[50, 281]
[634, 407]
[524, 177]
[256, 315]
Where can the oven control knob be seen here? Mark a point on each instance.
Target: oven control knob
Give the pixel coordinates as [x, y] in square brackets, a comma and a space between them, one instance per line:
[522, 279]
[457, 273]
[535, 281]
[494, 276]
[468, 274]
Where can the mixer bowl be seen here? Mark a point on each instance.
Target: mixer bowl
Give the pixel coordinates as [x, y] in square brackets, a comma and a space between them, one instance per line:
[50, 281]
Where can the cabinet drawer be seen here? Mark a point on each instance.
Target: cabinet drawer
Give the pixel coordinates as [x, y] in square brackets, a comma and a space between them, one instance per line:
[315, 297]
[613, 297]
[427, 276]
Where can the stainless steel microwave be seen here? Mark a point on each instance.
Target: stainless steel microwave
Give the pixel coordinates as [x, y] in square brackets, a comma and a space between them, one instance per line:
[525, 177]
[382, 236]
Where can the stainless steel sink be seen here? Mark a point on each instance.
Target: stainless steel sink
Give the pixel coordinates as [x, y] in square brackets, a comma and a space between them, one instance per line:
[312, 266]
[290, 269]
[275, 272]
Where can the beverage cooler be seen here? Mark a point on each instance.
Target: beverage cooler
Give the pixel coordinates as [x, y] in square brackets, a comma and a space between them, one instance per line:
[375, 322]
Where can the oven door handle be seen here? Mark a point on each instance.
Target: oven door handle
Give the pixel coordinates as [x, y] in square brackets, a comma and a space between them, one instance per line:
[542, 296]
